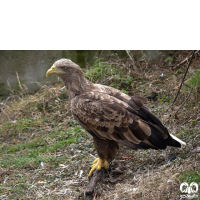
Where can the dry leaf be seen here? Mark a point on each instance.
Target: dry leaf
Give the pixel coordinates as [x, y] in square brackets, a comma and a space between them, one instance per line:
[175, 176]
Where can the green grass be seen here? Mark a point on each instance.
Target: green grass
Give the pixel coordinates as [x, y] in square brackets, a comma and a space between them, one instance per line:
[187, 134]
[194, 81]
[40, 149]
[44, 131]
[14, 148]
[18, 190]
[20, 125]
[189, 177]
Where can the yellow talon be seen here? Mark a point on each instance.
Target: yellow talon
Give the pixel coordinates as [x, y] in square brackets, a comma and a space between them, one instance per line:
[95, 161]
[98, 164]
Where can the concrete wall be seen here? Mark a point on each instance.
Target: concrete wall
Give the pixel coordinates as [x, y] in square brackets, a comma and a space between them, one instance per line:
[32, 66]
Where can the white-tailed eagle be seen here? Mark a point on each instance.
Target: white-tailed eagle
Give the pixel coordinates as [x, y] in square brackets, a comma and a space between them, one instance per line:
[111, 116]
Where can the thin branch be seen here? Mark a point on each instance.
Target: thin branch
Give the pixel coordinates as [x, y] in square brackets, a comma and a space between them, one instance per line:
[186, 59]
[177, 65]
[132, 59]
[89, 192]
[182, 80]
[185, 98]
[189, 118]
[183, 102]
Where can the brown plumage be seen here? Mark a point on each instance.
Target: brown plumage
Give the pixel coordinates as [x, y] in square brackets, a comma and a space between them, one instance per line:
[111, 116]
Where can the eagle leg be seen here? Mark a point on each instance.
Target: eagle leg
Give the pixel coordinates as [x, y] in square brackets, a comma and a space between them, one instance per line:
[98, 163]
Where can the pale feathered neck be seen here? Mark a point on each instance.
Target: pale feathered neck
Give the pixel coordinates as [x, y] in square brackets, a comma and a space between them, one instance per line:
[76, 84]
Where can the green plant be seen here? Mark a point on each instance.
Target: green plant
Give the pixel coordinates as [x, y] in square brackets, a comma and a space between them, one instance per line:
[194, 81]
[169, 58]
[164, 97]
[99, 70]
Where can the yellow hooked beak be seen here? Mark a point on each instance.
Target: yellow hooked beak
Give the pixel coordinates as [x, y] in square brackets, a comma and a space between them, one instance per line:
[54, 70]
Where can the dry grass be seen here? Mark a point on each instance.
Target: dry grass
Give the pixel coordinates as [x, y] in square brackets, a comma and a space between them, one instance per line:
[44, 154]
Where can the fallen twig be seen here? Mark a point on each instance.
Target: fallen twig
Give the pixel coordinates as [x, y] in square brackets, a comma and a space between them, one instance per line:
[189, 118]
[105, 81]
[186, 59]
[89, 192]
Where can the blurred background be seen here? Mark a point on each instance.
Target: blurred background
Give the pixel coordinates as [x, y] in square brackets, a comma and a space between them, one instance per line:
[30, 66]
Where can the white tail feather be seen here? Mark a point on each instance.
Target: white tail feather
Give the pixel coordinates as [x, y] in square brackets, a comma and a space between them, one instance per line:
[178, 140]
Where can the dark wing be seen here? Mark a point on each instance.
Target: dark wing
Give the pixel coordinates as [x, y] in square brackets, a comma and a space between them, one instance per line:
[127, 122]
[137, 104]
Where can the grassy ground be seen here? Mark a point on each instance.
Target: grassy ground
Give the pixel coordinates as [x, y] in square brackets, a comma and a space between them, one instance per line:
[45, 154]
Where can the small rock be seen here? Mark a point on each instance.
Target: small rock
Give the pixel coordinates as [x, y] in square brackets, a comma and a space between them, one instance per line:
[87, 144]
[22, 138]
[80, 139]
[75, 146]
[130, 171]
[196, 150]
[42, 164]
[81, 172]
[133, 189]
[169, 181]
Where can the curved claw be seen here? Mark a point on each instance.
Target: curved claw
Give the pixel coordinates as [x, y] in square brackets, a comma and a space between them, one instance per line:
[98, 164]
[106, 164]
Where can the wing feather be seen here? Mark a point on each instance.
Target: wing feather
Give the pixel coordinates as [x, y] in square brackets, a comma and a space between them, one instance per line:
[116, 116]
